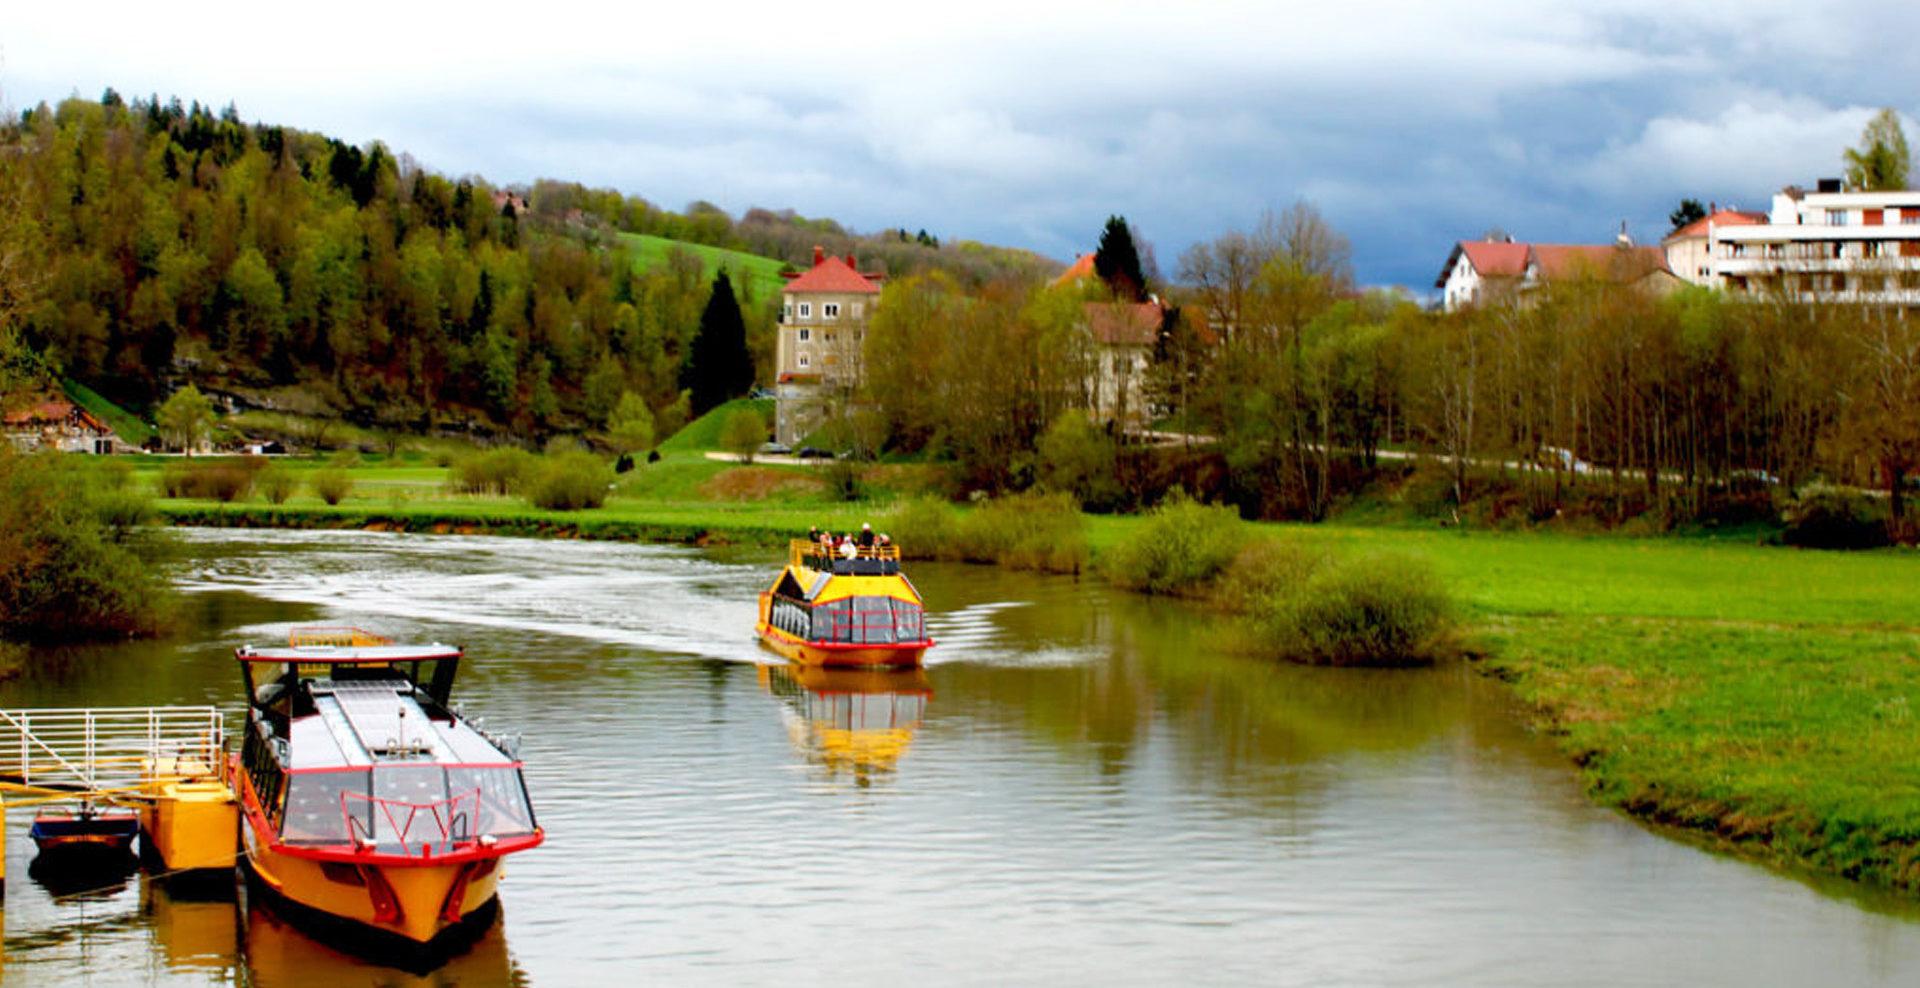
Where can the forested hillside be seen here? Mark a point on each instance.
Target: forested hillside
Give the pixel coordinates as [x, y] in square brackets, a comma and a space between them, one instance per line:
[284, 268]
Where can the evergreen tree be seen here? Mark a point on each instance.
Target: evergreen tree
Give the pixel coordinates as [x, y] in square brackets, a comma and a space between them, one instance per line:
[1117, 261]
[720, 367]
[1688, 211]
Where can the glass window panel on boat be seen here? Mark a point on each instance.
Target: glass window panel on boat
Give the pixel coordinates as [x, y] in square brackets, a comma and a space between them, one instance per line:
[504, 810]
[319, 804]
[473, 802]
[868, 620]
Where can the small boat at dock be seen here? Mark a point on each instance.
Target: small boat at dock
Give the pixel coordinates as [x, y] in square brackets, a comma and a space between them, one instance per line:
[368, 804]
[843, 607]
[91, 836]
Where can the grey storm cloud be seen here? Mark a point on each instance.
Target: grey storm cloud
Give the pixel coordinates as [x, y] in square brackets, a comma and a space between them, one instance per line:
[1410, 125]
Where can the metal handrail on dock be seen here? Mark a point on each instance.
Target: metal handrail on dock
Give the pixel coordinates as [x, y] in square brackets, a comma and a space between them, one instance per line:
[108, 751]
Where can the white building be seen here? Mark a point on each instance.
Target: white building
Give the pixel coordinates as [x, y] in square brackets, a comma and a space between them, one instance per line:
[1478, 271]
[1826, 245]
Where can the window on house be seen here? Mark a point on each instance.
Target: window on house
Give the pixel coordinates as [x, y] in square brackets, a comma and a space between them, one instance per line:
[804, 362]
[830, 310]
[786, 312]
[805, 335]
[806, 310]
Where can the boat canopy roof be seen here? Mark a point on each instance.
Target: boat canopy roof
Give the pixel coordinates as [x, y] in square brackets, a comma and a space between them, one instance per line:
[360, 724]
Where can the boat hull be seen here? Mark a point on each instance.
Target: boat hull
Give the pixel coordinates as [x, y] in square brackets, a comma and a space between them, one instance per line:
[834, 654]
[102, 838]
[425, 907]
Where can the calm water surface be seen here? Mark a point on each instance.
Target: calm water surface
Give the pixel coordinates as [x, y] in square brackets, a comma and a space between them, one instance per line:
[1076, 790]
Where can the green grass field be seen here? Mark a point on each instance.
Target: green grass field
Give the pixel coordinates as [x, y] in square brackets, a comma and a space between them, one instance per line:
[762, 273]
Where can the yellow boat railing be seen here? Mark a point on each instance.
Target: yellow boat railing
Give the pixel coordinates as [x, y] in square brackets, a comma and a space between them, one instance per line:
[337, 636]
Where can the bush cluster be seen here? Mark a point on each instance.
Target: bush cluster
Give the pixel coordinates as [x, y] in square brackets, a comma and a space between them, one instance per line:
[502, 471]
[1309, 606]
[1043, 532]
[569, 482]
[332, 484]
[1182, 549]
[221, 479]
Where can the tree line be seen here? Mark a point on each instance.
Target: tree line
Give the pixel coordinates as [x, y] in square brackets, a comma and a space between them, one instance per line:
[1294, 392]
[162, 244]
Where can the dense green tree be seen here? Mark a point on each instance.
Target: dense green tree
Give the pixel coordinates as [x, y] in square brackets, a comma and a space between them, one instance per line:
[1117, 261]
[186, 418]
[1688, 211]
[719, 366]
[1880, 163]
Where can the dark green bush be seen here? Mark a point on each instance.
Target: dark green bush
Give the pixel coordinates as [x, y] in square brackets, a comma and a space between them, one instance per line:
[1304, 605]
[570, 482]
[1183, 547]
[68, 568]
[1831, 519]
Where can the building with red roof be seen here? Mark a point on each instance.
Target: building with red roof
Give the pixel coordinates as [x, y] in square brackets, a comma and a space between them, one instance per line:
[1477, 271]
[823, 323]
[1688, 253]
[57, 424]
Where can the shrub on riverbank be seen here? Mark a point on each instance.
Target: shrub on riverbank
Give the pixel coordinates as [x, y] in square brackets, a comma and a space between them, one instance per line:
[222, 479]
[502, 471]
[1374, 610]
[1183, 547]
[332, 484]
[570, 482]
[1027, 531]
[68, 569]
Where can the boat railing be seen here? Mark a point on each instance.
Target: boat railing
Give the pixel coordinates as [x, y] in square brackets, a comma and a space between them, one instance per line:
[340, 636]
[387, 822]
[844, 560]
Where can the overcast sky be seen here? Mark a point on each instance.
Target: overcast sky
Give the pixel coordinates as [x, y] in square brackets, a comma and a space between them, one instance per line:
[1409, 124]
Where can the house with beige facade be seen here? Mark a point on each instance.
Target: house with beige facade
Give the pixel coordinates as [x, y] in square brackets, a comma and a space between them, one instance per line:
[817, 353]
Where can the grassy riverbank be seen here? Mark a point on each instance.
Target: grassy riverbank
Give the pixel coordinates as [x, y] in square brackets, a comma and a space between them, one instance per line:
[1759, 697]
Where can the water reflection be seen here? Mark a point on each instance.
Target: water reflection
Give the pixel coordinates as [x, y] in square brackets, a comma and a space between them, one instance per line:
[279, 955]
[853, 723]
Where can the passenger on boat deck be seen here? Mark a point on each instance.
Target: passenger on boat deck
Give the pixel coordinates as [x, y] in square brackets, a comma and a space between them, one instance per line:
[885, 539]
[865, 539]
[847, 549]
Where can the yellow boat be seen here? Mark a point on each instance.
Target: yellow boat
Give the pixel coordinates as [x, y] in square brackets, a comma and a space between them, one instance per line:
[844, 608]
[367, 805]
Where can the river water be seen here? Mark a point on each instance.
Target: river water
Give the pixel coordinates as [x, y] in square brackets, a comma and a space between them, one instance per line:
[1076, 790]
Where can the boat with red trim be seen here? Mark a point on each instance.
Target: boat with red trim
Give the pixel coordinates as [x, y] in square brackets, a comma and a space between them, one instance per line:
[368, 804]
[844, 606]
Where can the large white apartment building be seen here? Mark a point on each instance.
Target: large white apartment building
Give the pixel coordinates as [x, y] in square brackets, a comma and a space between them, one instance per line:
[1826, 245]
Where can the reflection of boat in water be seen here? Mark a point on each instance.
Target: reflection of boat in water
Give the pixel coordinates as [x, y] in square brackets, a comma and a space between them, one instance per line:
[278, 955]
[368, 806]
[858, 719]
[843, 610]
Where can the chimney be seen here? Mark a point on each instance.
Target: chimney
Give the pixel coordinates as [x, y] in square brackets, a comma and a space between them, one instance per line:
[819, 254]
[1623, 240]
[850, 263]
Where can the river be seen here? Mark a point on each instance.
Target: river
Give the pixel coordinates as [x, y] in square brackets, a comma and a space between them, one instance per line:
[1076, 790]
